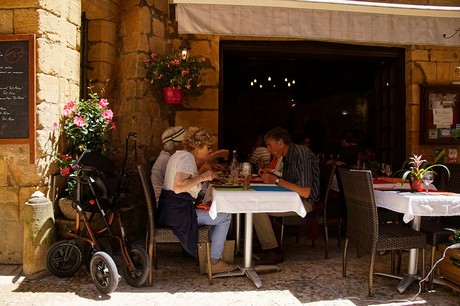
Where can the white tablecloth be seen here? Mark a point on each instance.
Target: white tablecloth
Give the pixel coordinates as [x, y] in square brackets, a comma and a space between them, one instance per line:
[419, 203]
[251, 201]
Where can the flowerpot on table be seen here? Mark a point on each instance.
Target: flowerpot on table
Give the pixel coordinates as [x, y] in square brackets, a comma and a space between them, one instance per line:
[173, 95]
[416, 185]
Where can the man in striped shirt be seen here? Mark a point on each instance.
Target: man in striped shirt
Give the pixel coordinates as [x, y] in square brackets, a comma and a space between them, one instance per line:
[300, 174]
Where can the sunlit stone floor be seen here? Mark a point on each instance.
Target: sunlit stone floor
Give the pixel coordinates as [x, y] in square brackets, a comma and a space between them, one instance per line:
[306, 278]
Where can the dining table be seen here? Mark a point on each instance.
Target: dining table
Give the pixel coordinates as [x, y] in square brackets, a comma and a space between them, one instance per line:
[414, 205]
[260, 198]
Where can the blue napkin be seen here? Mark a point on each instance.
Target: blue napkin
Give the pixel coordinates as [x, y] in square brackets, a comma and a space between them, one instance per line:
[269, 188]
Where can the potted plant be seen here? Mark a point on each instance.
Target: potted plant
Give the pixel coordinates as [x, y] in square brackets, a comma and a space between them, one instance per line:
[171, 72]
[85, 125]
[418, 167]
[448, 267]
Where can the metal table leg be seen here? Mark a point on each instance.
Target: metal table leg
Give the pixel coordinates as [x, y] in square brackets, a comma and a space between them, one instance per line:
[248, 269]
[413, 260]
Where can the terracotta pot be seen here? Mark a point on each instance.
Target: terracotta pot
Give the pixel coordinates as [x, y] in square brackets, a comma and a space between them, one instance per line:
[416, 185]
[173, 95]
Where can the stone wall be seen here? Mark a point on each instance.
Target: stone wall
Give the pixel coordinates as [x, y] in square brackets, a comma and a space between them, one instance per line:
[56, 25]
[426, 66]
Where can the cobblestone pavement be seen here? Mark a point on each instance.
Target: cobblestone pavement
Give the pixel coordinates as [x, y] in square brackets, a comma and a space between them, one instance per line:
[306, 278]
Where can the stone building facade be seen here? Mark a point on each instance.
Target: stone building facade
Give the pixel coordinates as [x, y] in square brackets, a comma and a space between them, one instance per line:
[121, 33]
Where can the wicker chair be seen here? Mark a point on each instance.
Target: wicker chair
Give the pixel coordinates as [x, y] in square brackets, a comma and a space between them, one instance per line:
[157, 235]
[435, 228]
[364, 228]
[435, 234]
[310, 221]
[334, 206]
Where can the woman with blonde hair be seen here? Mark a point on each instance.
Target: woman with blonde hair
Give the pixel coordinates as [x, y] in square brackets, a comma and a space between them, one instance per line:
[182, 184]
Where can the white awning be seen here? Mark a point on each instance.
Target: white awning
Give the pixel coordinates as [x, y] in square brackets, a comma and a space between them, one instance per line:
[342, 21]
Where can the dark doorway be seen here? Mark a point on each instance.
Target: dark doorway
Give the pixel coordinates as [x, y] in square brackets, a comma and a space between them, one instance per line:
[316, 90]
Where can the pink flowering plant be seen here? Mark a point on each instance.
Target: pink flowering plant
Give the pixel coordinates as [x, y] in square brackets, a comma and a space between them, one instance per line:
[86, 124]
[171, 70]
[418, 167]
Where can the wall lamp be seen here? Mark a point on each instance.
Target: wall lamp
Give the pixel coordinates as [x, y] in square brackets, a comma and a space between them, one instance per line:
[184, 47]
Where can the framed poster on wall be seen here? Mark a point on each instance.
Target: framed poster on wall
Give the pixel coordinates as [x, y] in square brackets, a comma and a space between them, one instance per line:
[440, 114]
[17, 90]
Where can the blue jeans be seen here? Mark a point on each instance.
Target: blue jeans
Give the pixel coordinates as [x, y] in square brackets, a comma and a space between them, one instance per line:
[219, 230]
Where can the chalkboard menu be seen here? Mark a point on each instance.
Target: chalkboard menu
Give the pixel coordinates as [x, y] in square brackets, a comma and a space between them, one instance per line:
[17, 90]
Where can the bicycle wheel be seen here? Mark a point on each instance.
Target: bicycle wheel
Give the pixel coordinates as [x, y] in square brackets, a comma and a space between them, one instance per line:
[140, 261]
[104, 272]
[64, 258]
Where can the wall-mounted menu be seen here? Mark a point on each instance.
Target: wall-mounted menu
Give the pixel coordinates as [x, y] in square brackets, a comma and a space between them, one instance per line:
[17, 89]
[14, 89]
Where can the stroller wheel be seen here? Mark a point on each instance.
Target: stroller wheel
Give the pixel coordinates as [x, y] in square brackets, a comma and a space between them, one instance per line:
[88, 252]
[64, 258]
[104, 272]
[140, 260]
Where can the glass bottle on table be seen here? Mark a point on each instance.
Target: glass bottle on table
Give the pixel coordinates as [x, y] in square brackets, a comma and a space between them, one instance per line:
[234, 169]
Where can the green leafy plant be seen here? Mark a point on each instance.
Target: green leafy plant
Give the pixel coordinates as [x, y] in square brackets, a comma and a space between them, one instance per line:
[171, 70]
[455, 236]
[417, 167]
[86, 123]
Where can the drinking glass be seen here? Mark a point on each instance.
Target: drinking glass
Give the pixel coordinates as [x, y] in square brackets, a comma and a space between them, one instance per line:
[427, 179]
[225, 169]
[246, 172]
[388, 170]
[383, 168]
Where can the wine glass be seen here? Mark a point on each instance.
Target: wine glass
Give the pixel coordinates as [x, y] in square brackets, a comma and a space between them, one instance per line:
[388, 170]
[383, 168]
[225, 169]
[427, 179]
[246, 169]
[246, 172]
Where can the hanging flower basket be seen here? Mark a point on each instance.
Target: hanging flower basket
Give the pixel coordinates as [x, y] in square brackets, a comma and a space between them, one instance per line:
[173, 95]
[171, 70]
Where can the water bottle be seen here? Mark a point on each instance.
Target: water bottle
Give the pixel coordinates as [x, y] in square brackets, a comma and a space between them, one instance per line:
[234, 168]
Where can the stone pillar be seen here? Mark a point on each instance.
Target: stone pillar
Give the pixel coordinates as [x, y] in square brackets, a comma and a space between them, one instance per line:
[38, 233]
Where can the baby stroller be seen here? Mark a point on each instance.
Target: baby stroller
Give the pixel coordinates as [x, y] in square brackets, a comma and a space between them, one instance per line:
[95, 195]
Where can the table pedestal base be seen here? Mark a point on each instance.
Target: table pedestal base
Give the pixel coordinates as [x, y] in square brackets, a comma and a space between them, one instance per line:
[251, 273]
[405, 282]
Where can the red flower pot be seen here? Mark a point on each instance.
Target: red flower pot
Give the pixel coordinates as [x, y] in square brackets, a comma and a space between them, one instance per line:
[173, 95]
[416, 185]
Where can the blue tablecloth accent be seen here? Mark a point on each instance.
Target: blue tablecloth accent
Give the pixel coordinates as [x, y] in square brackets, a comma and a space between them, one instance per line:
[269, 188]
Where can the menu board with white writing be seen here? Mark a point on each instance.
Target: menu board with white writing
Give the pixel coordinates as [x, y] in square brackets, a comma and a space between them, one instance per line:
[14, 89]
[17, 90]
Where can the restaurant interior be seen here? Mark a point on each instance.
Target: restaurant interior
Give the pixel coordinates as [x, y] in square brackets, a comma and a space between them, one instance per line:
[315, 90]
